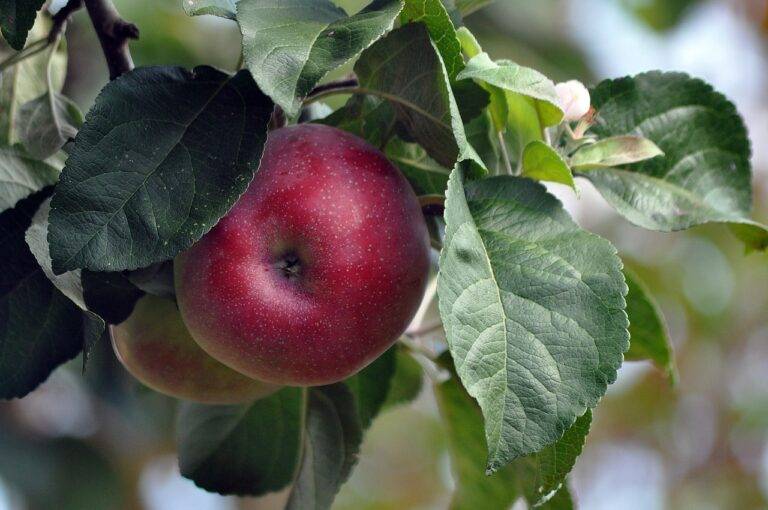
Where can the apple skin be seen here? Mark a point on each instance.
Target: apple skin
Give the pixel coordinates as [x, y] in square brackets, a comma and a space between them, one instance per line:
[155, 347]
[316, 270]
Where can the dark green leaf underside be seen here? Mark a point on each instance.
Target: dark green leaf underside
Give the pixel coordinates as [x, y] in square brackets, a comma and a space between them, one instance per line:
[163, 154]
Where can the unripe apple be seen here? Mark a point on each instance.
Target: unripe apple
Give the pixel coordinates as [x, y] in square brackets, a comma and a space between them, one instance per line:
[155, 347]
[316, 270]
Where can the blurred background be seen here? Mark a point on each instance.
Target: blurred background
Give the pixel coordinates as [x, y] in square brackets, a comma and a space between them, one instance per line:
[101, 441]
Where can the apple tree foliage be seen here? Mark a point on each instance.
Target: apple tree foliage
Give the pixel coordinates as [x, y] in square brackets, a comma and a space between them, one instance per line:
[538, 313]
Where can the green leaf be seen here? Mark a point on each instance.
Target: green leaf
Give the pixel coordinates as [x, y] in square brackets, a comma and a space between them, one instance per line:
[40, 328]
[534, 477]
[533, 309]
[438, 22]
[614, 151]
[289, 46]
[705, 174]
[22, 175]
[222, 8]
[406, 69]
[312, 434]
[521, 80]
[27, 80]
[648, 336]
[45, 124]
[371, 386]
[70, 283]
[17, 18]
[368, 117]
[406, 382]
[175, 149]
[425, 175]
[245, 450]
[331, 445]
[543, 163]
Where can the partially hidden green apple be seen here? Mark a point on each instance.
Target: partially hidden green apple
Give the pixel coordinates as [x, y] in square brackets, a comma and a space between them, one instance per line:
[155, 347]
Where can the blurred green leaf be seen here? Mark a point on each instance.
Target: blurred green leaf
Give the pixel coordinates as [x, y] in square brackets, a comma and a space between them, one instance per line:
[705, 174]
[517, 275]
[542, 163]
[27, 80]
[22, 175]
[614, 151]
[45, 124]
[290, 46]
[175, 148]
[648, 336]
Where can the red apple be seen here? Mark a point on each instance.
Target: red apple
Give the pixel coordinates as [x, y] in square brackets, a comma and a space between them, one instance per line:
[155, 347]
[316, 270]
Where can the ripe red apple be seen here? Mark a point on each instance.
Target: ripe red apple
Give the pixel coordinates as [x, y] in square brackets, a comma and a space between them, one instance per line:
[316, 270]
[155, 347]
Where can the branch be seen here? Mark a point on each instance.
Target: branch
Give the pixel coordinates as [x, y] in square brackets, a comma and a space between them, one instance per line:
[61, 18]
[114, 33]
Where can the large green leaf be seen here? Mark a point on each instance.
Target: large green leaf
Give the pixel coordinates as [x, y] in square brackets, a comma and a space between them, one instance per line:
[222, 8]
[163, 154]
[39, 327]
[705, 173]
[22, 175]
[331, 445]
[534, 477]
[437, 20]
[517, 79]
[648, 334]
[406, 69]
[533, 308]
[46, 123]
[290, 45]
[248, 450]
[17, 18]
